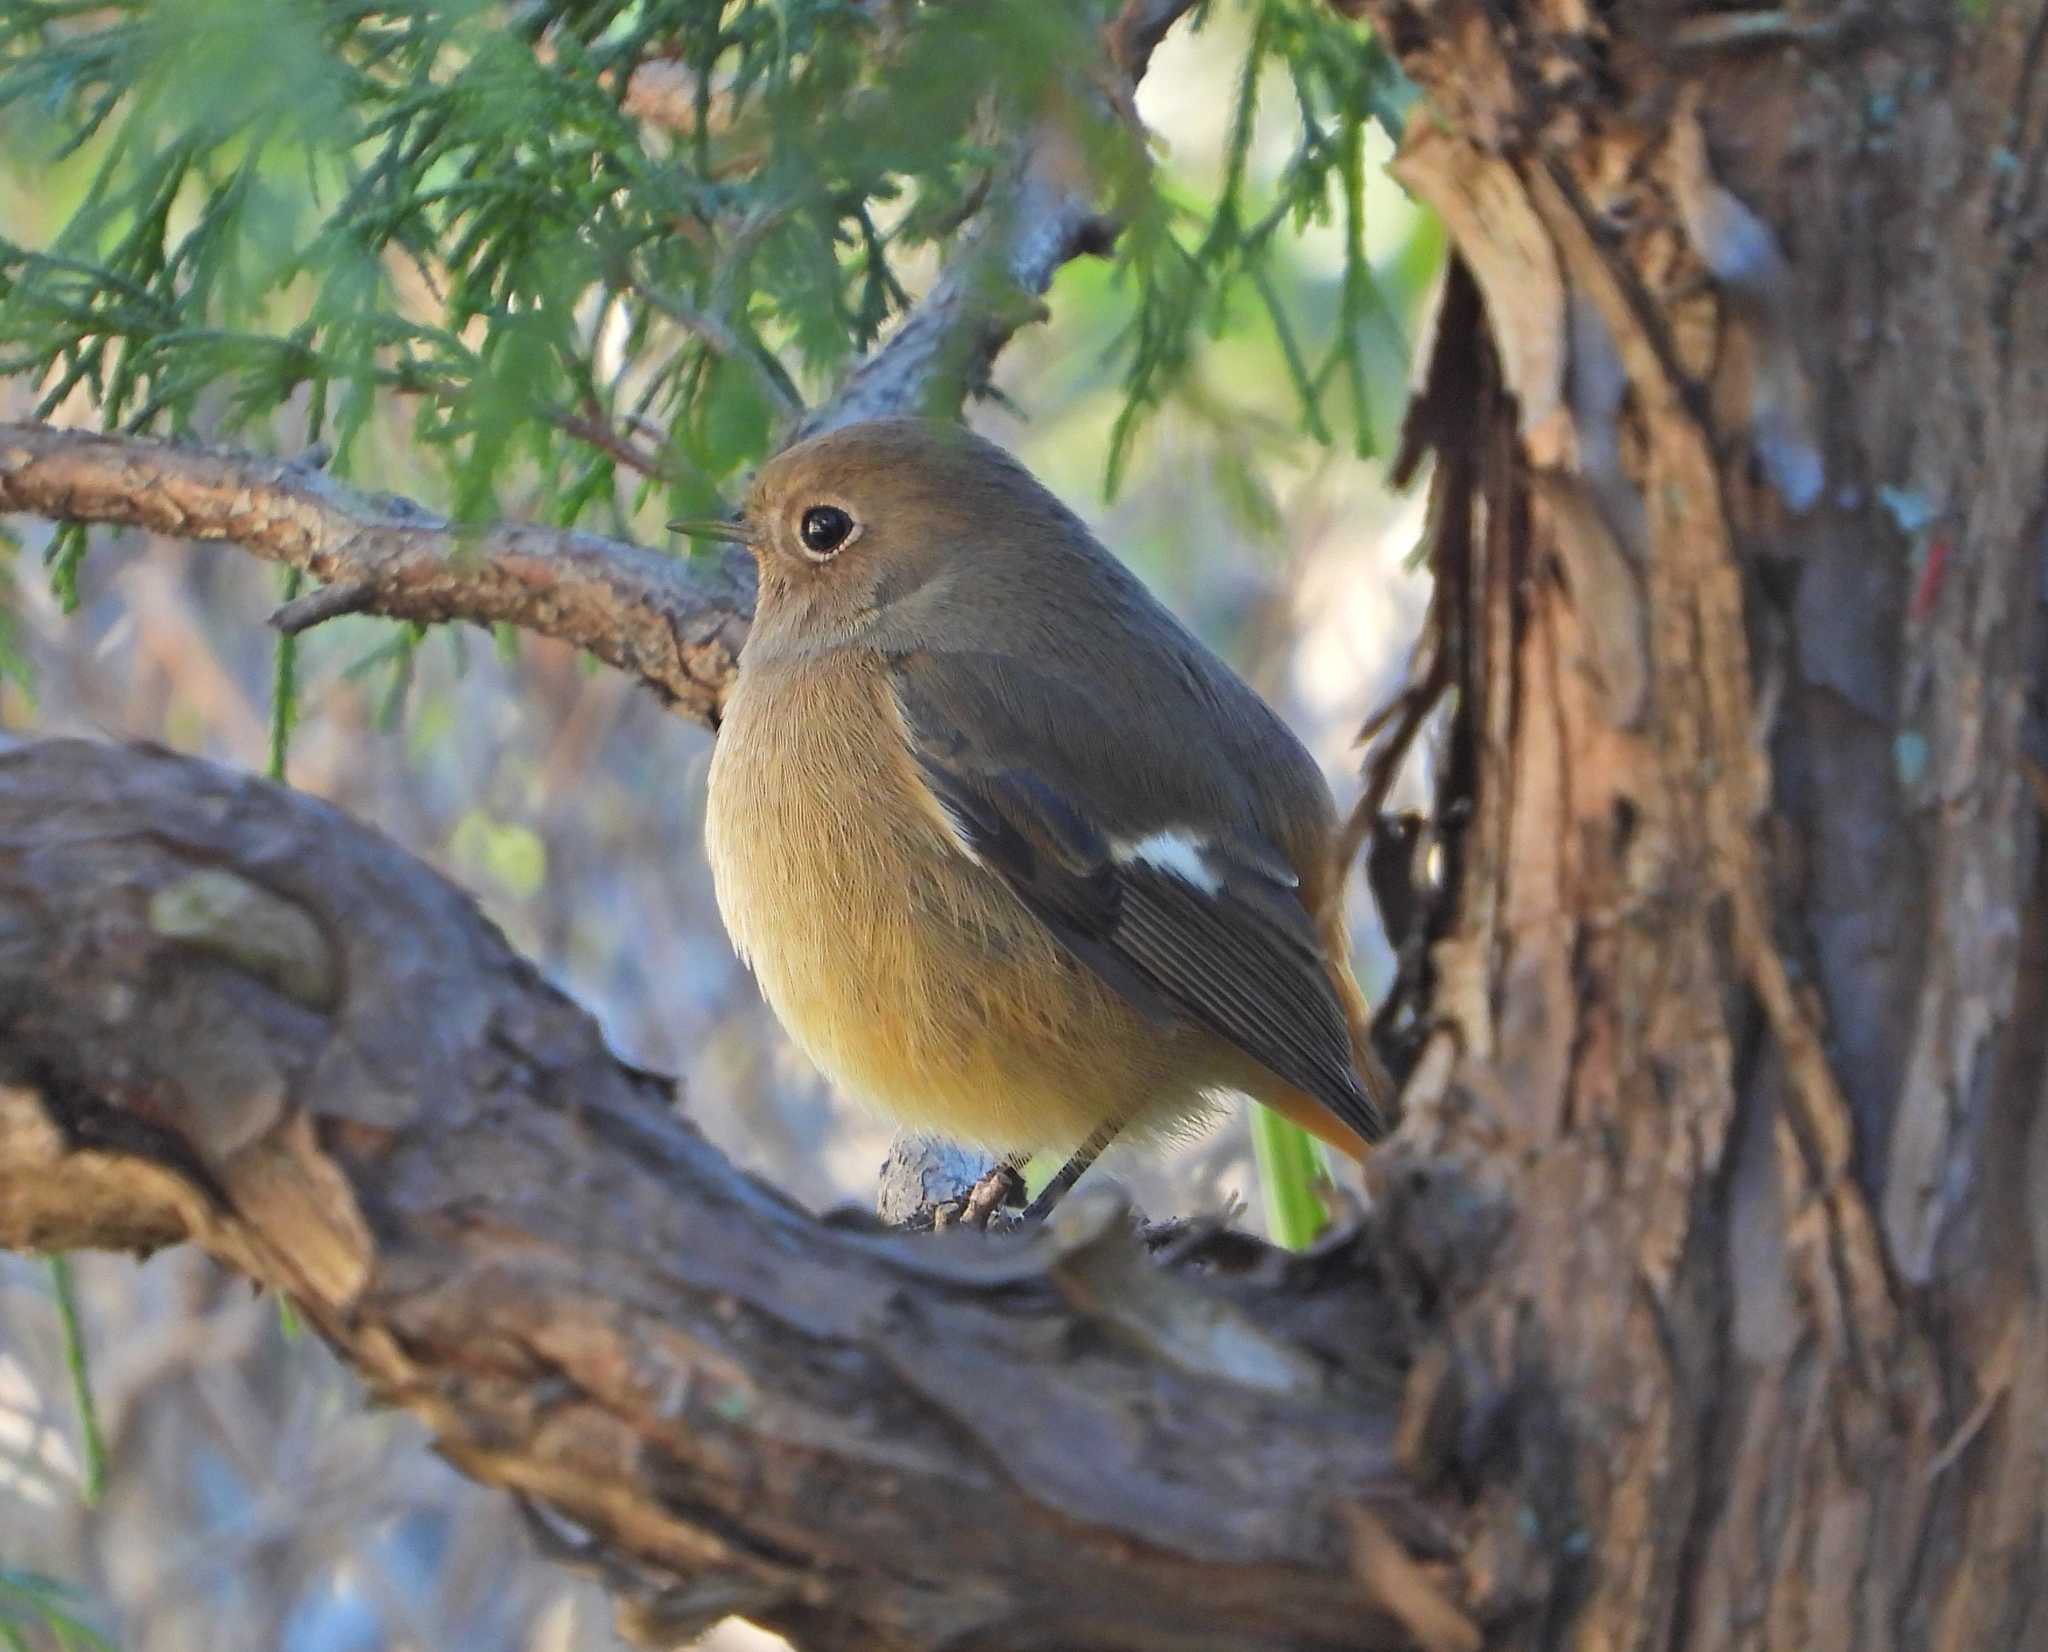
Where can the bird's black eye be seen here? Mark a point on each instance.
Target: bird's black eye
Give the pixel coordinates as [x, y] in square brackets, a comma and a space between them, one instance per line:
[824, 529]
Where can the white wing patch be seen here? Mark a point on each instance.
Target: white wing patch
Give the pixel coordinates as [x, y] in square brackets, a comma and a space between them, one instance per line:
[959, 828]
[1179, 854]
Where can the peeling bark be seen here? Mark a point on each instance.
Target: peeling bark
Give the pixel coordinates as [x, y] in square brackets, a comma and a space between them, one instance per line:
[1737, 524]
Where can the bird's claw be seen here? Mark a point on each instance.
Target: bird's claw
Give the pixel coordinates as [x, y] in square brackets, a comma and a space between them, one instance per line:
[998, 1190]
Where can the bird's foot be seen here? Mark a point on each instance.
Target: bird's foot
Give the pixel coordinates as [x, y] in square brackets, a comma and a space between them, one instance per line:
[997, 1191]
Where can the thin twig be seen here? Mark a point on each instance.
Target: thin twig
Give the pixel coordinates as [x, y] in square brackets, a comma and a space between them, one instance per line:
[726, 342]
[1405, 714]
[586, 428]
[1134, 33]
[349, 596]
[1753, 30]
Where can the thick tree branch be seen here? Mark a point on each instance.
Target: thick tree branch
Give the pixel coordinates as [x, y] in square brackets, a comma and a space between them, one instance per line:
[229, 1014]
[677, 625]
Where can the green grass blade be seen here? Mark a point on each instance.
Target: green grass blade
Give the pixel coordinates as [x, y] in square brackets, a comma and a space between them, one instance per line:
[284, 715]
[1290, 1165]
[75, 1362]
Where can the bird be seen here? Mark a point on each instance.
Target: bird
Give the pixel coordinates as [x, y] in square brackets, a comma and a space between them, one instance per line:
[1016, 859]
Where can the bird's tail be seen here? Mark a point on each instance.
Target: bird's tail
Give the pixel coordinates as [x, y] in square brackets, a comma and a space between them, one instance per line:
[1297, 1106]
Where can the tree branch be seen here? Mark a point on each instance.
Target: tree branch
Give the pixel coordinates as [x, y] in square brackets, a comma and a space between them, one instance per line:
[862, 1440]
[677, 625]
[944, 349]
[1047, 214]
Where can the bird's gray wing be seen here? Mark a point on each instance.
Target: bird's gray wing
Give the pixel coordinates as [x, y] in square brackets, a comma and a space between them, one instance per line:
[1188, 915]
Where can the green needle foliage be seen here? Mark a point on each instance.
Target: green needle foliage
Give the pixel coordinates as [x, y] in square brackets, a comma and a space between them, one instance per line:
[450, 232]
[1191, 261]
[454, 210]
[15, 667]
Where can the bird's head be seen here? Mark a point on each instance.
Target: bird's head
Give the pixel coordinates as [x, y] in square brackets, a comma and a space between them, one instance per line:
[877, 518]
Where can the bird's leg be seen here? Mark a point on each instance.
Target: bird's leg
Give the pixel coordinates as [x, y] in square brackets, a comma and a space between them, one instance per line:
[1071, 1172]
[1003, 1187]
[999, 1189]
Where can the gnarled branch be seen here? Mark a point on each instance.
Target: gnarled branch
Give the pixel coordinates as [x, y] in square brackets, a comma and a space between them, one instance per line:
[230, 1015]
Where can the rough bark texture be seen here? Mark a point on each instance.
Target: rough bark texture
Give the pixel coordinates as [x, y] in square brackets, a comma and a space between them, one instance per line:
[1709, 1256]
[676, 625]
[1734, 1001]
[230, 1015]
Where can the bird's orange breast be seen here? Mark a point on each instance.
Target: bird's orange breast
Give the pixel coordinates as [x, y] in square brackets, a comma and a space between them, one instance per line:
[911, 976]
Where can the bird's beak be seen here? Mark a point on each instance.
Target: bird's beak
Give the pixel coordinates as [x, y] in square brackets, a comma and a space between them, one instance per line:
[714, 527]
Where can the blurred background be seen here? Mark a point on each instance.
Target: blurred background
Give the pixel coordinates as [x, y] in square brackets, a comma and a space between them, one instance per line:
[253, 1501]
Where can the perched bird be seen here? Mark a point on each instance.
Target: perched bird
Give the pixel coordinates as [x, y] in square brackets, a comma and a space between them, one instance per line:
[1015, 858]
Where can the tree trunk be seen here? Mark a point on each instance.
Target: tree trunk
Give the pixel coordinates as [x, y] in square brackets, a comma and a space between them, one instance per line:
[1739, 402]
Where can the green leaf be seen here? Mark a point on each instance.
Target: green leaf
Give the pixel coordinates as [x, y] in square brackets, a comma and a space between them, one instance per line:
[64, 557]
[737, 420]
[15, 665]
